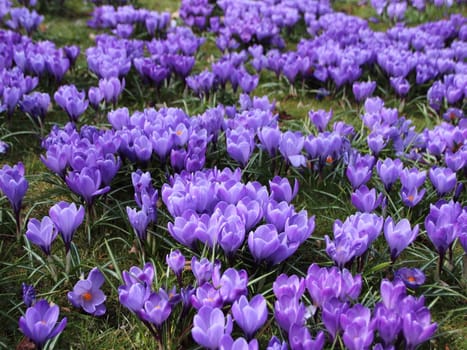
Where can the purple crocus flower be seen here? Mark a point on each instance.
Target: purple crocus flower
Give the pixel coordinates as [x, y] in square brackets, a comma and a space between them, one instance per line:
[376, 142]
[96, 96]
[399, 235]
[209, 326]
[270, 138]
[357, 326]
[343, 249]
[320, 118]
[290, 146]
[157, 308]
[138, 275]
[332, 309]
[87, 183]
[412, 277]
[14, 185]
[247, 81]
[265, 243]
[66, 218]
[411, 197]
[139, 220]
[176, 261]
[366, 200]
[3, 147]
[29, 294]
[72, 52]
[412, 178]
[39, 323]
[289, 311]
[227, 343]
[206, 295]
[362, 90]
[442, 226]
[42, 233]
[202, 270]
[251, 212]
[240, 144]
[417, 327]
[324, 284]
[359, 170]
[400, 85]
[111, 88]
[87, 294]
[353, 237]
[276, 344]
[387, 322]
[443, 179]
[389, 171]
[25, 18]
[292, 286]
[57, 66]
[281, 189]
[133, 296]
[300, 338]
[72, 101]
[185, 227]
[392, 293]
[36, 104]
[232, 284]
[278, 213]
[250, 315]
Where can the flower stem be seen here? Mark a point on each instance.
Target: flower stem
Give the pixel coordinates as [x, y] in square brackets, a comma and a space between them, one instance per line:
[67, 262]
[18, 225]
[52, 267]
[464, 268]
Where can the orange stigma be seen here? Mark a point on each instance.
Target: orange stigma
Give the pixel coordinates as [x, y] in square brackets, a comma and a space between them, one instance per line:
[86, 296]
[411, 279]
[329, 159]
[179, 132]
[411, 198]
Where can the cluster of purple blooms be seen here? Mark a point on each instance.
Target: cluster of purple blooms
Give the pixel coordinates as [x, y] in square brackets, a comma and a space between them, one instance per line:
[22, 63]
[343, 45]
[112, 58]
[396, 9]
[432, 51]
[17, 18]
[64, 218]
[215, 208]
[86, 160]
[123, 20]
[246, 22]
[333, 293]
